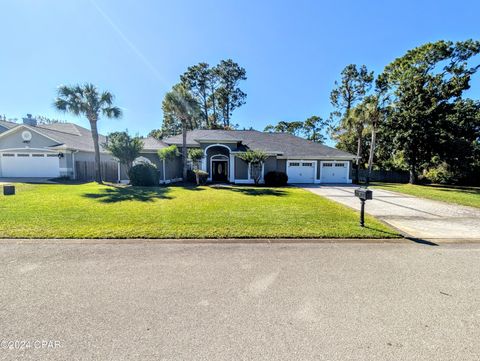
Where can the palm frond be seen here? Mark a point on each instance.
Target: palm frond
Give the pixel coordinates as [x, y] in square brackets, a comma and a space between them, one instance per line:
[112, 112]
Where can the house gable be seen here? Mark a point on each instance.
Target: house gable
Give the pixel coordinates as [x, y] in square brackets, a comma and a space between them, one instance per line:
[13, 139]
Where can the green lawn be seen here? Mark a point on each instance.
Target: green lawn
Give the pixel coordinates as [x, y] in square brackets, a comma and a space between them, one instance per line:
[93, 211]
[467, 196]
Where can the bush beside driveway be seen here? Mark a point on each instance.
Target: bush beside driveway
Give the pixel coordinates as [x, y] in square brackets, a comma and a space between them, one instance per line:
[102, 211]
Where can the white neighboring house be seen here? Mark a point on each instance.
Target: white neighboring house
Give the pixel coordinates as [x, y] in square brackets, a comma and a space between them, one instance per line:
[31, 150]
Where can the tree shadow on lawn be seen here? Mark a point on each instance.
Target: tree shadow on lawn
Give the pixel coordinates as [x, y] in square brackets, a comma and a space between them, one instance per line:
[121, 194]
[255, 191]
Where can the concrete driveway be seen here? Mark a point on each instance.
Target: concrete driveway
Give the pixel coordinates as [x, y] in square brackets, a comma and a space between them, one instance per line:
[415, 217]
[279, 302]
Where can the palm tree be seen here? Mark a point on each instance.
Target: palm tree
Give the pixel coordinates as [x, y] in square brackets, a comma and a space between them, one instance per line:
[86, 100]
[184, 106]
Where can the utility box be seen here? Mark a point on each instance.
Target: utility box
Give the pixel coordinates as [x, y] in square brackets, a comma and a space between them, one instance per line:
[8, 190]
[364, 194]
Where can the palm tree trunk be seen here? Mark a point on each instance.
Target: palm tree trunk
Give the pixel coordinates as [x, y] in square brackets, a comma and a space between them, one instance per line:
[96, 146]
[184, 150]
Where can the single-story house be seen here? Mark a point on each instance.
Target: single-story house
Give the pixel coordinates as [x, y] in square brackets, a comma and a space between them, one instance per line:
[66, 149]
[302, 160]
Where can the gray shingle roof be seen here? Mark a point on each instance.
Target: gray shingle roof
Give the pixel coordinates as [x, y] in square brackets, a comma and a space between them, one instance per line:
[284, 144]
[76, 137]
[151, 143]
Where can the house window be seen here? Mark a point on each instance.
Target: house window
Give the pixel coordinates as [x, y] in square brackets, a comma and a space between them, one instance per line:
[340, 165]
[294, 164]
[327, 165]
[307, 164]
[8, 155]
[23, 155]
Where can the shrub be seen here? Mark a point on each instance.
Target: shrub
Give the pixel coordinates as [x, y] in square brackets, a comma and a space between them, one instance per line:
[143, 175]
[276, 179]
[441, 174]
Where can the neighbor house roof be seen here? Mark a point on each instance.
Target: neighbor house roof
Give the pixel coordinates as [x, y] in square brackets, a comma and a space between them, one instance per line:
[284, 145]
[73, 136]
[153, 144]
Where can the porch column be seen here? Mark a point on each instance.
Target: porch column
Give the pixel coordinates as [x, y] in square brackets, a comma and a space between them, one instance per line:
[231, 172]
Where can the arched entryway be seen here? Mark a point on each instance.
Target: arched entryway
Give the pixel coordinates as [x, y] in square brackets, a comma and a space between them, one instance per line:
[217, 163]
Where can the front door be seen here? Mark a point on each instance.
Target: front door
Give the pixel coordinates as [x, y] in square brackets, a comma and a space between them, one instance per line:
[219, 170]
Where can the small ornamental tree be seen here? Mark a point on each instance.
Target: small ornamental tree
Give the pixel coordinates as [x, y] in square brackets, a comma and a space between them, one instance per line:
[255, 160]
[196, 155]
[124, 147]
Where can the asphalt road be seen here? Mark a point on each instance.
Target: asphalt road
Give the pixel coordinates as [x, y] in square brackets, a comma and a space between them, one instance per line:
[240, 302]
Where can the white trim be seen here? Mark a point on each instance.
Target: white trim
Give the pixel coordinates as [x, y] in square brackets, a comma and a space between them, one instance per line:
[20, 126]
[231, 174]
[205, 157]
[317, 158]
[168, 181]
[222, 157]
[118, 173]
[163, 168]
[28, 149]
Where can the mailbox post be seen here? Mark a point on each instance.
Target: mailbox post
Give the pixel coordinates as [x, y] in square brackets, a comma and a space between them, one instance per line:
[363, 194]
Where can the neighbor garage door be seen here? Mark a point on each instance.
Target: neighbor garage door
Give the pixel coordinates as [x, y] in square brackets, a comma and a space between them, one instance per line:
[301, 171]
[334, 172]
[30, 165]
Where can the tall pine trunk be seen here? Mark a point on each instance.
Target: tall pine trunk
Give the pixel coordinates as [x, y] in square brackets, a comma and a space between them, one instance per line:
[96, 146]
[372, 152]
[359, 153]
[184, 150]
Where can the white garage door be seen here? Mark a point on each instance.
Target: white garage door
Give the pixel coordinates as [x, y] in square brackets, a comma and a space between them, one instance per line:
[334, 172]
[301, 171]
[30, 165]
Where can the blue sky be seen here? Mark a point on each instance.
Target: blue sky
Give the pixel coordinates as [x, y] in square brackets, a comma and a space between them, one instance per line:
[292, 50]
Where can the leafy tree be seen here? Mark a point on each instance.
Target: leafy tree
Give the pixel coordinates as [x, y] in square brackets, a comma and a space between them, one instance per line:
[228, 95]
[183, 106]
[169, 152]
[313, 127]
[86, 100]
[295, 127]
[354, 85]
[156, 133]
[124, 147]
[255, 160]
[423, 87]
[201, 80]
[195, 155]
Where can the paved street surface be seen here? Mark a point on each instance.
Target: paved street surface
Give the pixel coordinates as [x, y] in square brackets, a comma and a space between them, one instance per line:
[416, 217]
[337, 301]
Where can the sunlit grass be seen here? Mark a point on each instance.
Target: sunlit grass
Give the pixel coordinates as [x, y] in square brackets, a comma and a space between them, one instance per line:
[102, 211]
